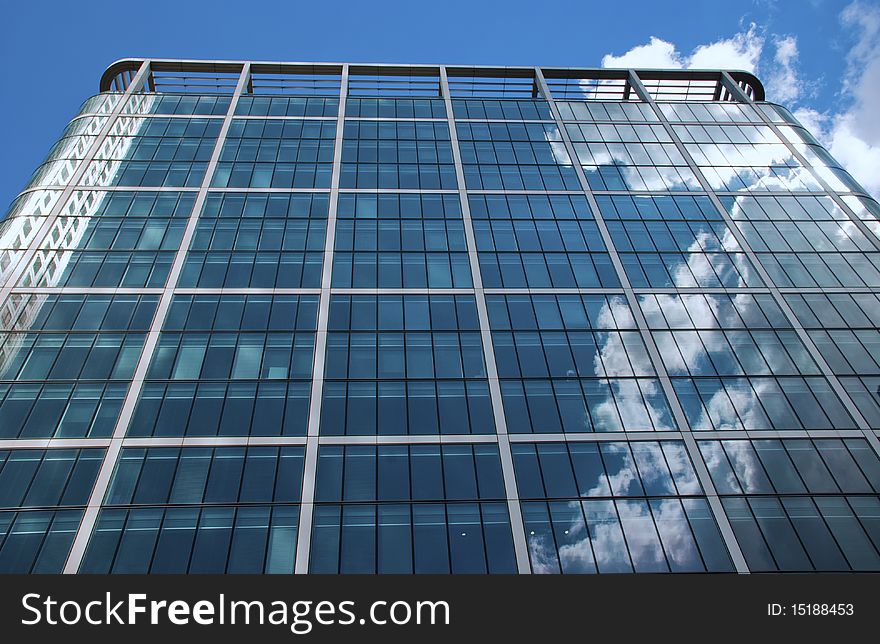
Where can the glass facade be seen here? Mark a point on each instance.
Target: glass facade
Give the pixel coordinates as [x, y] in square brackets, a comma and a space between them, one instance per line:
[379, 319]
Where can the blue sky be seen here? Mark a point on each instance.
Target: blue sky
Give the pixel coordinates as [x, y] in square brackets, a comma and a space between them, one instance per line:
[821, 57]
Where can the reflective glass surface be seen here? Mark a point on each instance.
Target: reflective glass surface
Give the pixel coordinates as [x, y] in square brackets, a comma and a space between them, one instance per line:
[470, 322]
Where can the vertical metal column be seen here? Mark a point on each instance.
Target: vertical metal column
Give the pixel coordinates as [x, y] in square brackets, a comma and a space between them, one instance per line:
[304, 533]
[111, 456]
[520, 544]
[675, 406]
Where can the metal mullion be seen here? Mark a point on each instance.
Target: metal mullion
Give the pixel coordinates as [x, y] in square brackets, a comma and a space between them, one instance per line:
[265, 441]
[408, 439]
[702, 123]
[279, 117]
[520, 543]
[703, 192]
[369, 191]
[214, 441]
[68, 188]
[804, 337]
[709, 290]
[527, 121]
[86, 290]
[759, 434]
[558, 291]
[102, 482]
[53, 443]
[501, 191]
[402, 119]
[56, 188]
[216, 117]
[597, 437]
[665, 382]
[830, 289]
[247, 291]
[618, 290]
[402, 291]
[304, 534]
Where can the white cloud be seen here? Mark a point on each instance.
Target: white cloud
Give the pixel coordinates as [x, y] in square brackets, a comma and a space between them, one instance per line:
[783, 83]
[811, 119]
[853, 135]
[656, 54]
[859, 156]
[741, 51]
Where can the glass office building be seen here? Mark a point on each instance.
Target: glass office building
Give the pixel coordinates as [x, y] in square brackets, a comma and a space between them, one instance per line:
[333, 318]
